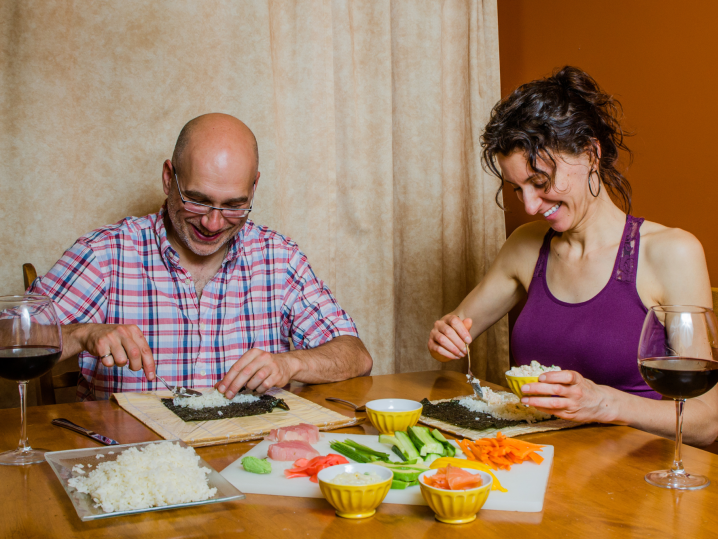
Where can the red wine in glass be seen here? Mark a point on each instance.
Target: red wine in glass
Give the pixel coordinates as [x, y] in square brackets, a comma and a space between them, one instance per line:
[25, 363]
[677, 355]
[30, 345]
[680, 378]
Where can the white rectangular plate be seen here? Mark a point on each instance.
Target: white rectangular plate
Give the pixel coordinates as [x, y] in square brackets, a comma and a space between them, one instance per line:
[526, 483]
[62, 463]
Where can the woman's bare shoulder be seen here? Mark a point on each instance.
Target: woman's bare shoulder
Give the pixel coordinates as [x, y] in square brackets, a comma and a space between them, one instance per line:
[674, 266]
[529, 236]
[667, 245]
[520, 252]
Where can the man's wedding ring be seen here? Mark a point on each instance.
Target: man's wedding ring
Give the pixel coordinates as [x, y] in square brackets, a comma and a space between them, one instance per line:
[106, 355]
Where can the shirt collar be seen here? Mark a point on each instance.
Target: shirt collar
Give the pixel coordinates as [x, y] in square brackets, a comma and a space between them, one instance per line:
[234, 245]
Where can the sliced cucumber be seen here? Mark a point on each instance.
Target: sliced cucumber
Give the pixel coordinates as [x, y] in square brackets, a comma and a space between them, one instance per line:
[397, 451]
[406, 445]
[424, 441]
[431, 457]
[449, 449]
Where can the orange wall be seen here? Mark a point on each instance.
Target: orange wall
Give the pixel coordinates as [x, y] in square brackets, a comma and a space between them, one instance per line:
[660, 59]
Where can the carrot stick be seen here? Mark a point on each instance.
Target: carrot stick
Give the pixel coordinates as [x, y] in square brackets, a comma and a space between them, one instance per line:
[521, 443]
[464, 445]
[538, 459]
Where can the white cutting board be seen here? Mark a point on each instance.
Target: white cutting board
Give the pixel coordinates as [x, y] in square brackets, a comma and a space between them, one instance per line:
[526, 483]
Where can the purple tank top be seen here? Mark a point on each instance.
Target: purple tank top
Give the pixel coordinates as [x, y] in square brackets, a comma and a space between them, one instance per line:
[597, 338]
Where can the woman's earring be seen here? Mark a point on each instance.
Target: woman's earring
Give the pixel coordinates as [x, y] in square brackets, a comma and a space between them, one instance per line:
[590, 189]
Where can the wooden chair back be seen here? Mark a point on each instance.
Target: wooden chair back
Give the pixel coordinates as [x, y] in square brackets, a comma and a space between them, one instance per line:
[47, 384]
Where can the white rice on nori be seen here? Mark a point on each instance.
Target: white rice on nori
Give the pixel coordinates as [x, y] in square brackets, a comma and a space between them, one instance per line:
[156, 475]
[215, 399]
[503, 405]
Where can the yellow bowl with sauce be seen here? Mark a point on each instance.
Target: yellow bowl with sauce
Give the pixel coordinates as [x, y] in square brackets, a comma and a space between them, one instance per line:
[456, 506]
[517, 382]
[355, 501]
[390, 415]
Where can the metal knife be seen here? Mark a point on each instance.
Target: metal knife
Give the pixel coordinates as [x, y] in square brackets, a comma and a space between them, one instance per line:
[60, 422]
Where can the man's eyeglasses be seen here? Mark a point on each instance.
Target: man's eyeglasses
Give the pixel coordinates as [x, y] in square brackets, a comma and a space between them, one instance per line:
[204, 209]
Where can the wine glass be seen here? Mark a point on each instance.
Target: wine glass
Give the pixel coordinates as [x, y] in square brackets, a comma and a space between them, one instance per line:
[677, 356]
[30, 345]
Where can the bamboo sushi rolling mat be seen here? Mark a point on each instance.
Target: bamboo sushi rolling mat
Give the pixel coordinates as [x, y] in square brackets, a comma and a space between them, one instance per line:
[148, 408]
[516, 430]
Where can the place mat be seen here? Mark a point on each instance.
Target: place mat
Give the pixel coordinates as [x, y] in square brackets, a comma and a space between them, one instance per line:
[517, 430]
[147, 407]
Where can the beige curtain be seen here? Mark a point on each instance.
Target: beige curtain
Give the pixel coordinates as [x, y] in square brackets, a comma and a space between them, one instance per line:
[368, 116]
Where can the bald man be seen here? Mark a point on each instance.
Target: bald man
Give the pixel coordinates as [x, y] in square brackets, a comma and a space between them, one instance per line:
[197, 292]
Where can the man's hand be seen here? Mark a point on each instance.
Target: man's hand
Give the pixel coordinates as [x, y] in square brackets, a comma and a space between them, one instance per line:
[449, 338]
[257, 370]
[117, 344]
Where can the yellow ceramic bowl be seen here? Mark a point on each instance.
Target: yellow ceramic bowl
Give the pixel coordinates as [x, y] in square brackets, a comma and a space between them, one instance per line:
[456, 506]
[352, 501]
[390, 415]
[517, 382]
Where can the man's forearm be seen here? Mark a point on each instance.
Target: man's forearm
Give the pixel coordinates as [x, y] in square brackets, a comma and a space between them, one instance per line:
[339, 359]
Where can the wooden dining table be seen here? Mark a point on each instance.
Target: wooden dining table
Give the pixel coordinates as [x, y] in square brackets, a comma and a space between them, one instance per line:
[596, 486]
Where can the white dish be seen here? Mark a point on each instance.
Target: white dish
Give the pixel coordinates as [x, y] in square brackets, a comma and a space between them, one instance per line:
[62, 463]
[526, 483]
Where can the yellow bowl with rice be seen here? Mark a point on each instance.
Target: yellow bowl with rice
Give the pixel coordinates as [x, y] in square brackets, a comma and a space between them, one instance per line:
[517, 382]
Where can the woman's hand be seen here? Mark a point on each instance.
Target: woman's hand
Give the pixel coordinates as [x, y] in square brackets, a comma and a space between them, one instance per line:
[449, 338]
[572, 397]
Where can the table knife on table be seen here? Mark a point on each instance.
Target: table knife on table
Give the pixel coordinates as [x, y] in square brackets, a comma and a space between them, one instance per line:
[61, 422]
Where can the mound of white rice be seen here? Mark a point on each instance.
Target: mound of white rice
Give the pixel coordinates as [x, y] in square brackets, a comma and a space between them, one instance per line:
[503, 405]
[534, 369]
[215, 399]
[158, 474]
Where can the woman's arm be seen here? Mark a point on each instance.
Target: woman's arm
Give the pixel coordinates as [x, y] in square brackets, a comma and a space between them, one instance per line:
[501, 288]
[672, 271]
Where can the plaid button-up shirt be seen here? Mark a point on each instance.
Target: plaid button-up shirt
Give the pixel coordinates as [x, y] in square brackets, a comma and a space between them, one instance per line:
[264, 294]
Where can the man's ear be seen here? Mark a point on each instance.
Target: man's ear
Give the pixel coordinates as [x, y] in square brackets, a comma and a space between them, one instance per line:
[168, 176]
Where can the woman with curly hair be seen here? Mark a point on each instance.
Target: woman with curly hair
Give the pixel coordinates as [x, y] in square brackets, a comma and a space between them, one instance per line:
[589, 270]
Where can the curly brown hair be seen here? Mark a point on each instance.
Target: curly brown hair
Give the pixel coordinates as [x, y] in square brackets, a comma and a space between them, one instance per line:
[567, 113]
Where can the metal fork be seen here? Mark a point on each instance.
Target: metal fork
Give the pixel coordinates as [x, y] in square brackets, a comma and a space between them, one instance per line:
[361, 408]
[475, 385]
[178, 391]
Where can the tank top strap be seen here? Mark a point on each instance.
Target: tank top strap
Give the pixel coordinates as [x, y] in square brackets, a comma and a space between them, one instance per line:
[627, 262]
[543, 253]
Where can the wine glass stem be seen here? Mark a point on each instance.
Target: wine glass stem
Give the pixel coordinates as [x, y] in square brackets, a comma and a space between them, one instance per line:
[677, 467]
[23, 446]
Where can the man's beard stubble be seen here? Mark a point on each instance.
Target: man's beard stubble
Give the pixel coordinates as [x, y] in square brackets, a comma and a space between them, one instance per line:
[183, 235]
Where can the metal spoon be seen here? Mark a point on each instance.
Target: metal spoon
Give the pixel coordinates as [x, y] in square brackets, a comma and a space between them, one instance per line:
[361, 408]
[178, 391]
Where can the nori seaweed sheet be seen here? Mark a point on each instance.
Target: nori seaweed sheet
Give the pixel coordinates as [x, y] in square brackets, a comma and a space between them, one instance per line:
[237, 409]
[453, 413]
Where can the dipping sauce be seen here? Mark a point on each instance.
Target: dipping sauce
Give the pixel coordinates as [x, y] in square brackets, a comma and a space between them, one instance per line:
[357, 479]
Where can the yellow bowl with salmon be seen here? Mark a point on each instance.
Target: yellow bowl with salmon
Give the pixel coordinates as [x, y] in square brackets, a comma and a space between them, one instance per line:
[456, 506]
[390, 415]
